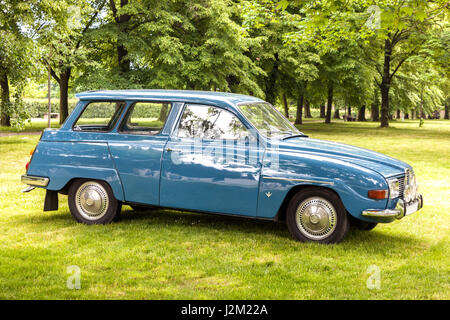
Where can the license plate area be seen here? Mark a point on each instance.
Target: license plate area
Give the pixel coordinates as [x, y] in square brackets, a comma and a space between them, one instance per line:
[411, 207]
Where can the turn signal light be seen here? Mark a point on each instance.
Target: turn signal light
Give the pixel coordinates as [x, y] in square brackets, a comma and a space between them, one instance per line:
[27, 165]
[378, 194]
[31, 152]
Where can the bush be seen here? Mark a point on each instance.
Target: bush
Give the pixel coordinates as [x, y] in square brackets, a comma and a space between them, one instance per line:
[37, 107]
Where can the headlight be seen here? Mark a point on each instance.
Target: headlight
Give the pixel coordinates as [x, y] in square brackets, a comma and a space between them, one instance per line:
[394, 188]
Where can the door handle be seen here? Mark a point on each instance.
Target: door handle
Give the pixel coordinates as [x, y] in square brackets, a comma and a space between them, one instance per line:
[172, 150]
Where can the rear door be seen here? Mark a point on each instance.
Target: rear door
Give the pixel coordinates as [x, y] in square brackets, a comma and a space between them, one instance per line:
[137, 149]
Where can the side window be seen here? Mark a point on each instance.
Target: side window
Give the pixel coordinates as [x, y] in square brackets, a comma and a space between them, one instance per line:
[146, 118]
[99, 116]
[204, 122]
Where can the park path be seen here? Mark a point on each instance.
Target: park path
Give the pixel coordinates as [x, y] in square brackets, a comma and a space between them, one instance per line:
[7, 134]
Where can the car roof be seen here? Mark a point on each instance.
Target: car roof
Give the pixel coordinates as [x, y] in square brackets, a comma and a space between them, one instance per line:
[173, 95]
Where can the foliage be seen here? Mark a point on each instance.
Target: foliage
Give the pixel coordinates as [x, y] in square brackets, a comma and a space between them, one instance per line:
[16, 59]
[306, 51]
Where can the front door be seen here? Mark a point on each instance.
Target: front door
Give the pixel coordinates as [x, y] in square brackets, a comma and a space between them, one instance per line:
[211, 163]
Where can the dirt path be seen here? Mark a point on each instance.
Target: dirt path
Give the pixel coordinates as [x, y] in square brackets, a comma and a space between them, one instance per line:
[7, 134]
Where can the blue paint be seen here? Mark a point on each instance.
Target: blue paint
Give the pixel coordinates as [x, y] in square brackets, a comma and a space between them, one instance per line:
[141, 170]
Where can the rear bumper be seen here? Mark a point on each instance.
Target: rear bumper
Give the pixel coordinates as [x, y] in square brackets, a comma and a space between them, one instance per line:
[35, 181]
[401, 210]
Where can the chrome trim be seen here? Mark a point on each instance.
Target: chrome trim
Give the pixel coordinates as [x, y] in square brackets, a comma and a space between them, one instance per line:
[28, 189]
[35, 181]
[398, 212]
[300, 180]
[388, 213]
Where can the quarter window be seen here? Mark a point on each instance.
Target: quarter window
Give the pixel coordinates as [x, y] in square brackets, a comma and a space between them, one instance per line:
[146, 118]
[99, 116]
[205, 122]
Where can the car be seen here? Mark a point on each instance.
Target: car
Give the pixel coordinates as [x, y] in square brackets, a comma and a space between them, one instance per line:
[214, 152]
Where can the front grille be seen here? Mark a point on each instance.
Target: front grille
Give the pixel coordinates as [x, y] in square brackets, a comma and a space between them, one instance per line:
[401, 182]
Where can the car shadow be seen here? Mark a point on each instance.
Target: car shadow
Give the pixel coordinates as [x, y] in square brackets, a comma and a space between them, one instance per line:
[387, 244]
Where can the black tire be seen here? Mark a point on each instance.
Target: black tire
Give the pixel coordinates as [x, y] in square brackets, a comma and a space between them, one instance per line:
[334, 229]
[90, 195]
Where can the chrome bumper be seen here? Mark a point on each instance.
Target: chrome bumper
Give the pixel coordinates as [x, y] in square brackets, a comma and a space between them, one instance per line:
[399, 212]
[35, 181]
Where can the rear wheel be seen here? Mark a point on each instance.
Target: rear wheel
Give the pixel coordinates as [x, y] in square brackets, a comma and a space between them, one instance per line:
[93, 202]
[317, 215]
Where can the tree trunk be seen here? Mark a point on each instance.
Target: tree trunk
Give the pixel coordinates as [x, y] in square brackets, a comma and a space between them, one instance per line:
[64, 95]
[349, 111]
[307, 110]
[286, 107]
[375, 109]
[271, 82]
[163, 112]
[362, 113]
[385, 85]
[446, 114]
[329, 104]
[5, 101]
[122, 24]
[322, 111]
[298, 119]
[336, 112]
[413, 114]
[398, 114]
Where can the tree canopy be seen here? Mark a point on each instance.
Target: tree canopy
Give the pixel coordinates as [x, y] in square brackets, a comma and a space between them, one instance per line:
[310, 53]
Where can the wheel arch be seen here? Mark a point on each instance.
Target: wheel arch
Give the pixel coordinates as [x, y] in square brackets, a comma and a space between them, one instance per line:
[281, 214]
[117, 192]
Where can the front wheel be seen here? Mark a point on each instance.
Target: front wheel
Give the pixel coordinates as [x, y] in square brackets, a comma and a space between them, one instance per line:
[317, 215]
[93, 202]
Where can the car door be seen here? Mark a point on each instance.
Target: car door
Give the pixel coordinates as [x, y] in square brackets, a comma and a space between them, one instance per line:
[137, 149]
[212, 163]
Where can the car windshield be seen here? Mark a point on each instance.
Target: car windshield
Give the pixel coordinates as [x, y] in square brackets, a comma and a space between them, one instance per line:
[268, 121]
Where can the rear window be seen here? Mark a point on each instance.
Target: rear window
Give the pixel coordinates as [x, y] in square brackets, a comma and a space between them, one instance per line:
[99, 116]
[146, 118]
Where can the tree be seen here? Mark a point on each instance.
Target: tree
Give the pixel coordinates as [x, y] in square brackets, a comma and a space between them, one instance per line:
[16, 53]
[390, 32]
[62, 30]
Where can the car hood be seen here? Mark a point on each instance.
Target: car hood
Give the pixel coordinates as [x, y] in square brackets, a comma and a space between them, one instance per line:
[378, 162]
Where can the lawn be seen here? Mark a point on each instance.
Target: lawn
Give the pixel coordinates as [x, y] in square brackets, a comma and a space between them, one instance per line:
[166, 254]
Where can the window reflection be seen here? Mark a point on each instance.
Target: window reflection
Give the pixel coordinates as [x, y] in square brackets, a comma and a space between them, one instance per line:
[205, 122]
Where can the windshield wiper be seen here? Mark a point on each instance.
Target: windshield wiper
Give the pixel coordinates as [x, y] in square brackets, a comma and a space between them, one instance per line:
[302, 135]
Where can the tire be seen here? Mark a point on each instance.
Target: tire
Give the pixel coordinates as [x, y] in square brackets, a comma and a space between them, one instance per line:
[93, 202]
[317, 215]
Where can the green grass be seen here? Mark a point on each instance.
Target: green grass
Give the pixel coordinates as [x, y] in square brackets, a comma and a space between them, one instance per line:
[165, 254]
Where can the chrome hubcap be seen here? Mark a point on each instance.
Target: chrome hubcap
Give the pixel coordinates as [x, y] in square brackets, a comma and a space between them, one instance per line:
[316, 218]
[92, 200]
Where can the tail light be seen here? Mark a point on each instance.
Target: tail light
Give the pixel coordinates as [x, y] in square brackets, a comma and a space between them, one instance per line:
[378, 194]
[31, 154]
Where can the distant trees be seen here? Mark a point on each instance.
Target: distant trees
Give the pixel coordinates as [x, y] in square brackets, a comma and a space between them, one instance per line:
[388, 32]
[16, 54]
[381, 57]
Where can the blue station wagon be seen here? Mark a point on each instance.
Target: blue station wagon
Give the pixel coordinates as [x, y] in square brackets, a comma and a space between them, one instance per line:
[216, 153]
